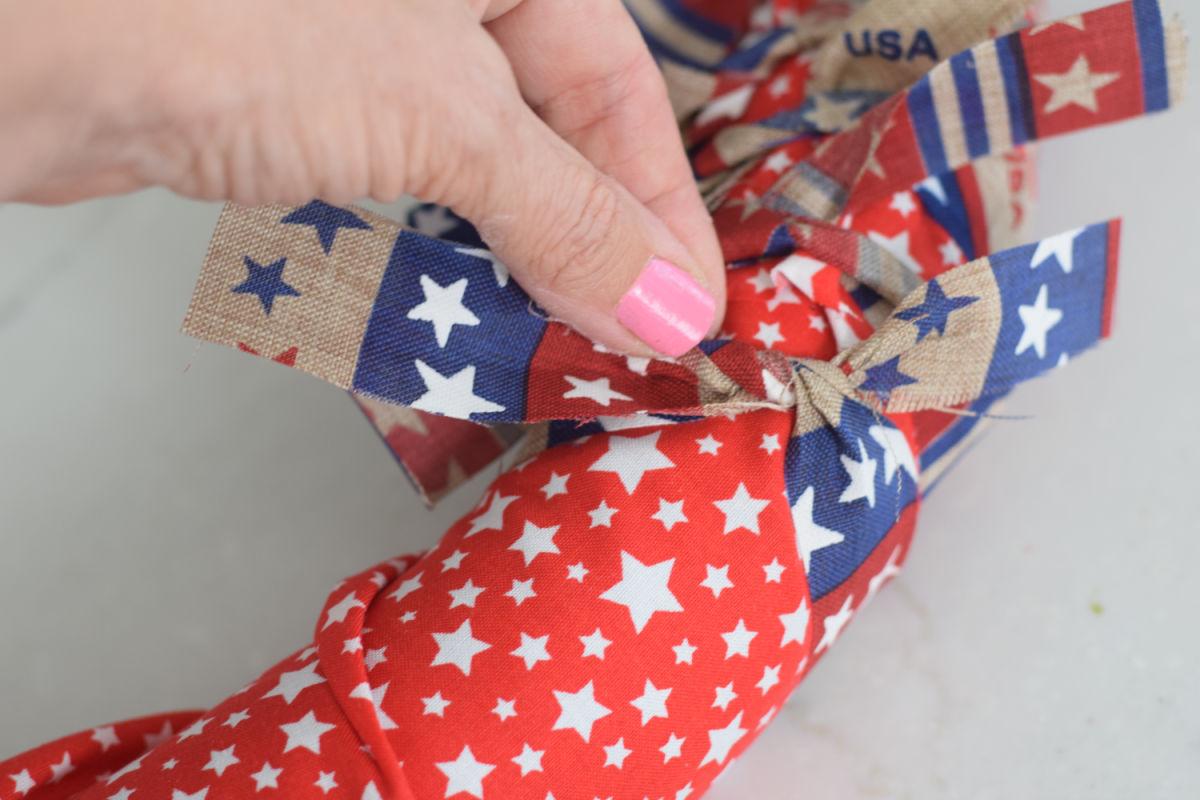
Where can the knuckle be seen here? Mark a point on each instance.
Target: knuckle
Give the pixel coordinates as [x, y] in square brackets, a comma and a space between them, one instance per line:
[577, 244]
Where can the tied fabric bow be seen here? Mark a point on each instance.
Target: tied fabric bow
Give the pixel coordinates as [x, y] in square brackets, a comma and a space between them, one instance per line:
[624, 611]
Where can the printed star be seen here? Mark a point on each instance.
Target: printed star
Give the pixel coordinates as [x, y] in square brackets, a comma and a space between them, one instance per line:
[761, 281]
[883, 378]
[24, 782]
[454, 395]
[1075, 21]
[443, 306]
[829, 115]
[1060, 246]
[725, 695]
[177, 794]
[683, 652]
[374, 657]
[673, 748]
[684, 792]
[716, 579]
[465, 774]
[293, 683]
[265, 282]
[795, 624]
[123, 794]
[631, 457]
[532, 650]
[594, 644]
[934, 311]
[810, 536]
[800, 270]
[896, 452]
[780, 86]
[408, 616]
[898, 246]
[722, 740]
[505, 708]
[62, 768]
[106, 737]
[903, 202]
[492, 518]
[1078, 86]
[741, 510]
[407, 587]
[770, 443]
[769, 335]
[602, 515]
[669, 513]
[458, 648]
[374, 695]
[579, 710]
[338, 611]
[326, 781]
[529, 760]
[889, 570]
[498, 269]
[652, 703]
[466, 594]
[774, 571]
[454, 561]
[305, 732]
[597, 390]
[521, 591]
[784, 295]
[643, 589]
[862, 477]
[433, 220]
[709, 445]
[534, 541]
[737, 641]
[1038, 319]
[730, 105]
[817, 323]
[170, 763]
[616, 753]
[435, 704]
[267, 777]
[778, 162]
[950, 253]
[221, 760]
[556, 485]
[326, 220]
[769, 678]
[128, 768]
[575, 572]
[834, 624]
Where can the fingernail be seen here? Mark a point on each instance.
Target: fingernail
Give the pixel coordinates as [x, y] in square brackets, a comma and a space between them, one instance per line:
[667, 309]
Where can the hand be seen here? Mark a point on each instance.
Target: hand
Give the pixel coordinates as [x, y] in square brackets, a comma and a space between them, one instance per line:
[544, 122]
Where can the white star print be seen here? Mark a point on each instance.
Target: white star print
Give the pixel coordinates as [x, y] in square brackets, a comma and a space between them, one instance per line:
[810, 536]
[761, 281]
[652, 703]
[532, 650]
[716, 579]
[534, 541]
[267, 777]
[767, 717]
[170, 763]
[889, 570]
[305, 732]
[293, 683]
[862, 477]
[521, 591]
[62, 768]
[454, 561]
[1078, 86]
[408, 616]
[737, 641]
[529, 760]
[684, 792]
[817, 323]
[221, 760]
[795, 624]
[466, 594]
[123, 794]
[128, 768]
[458, 648]
[443, 307]
[950, 253]
[903, 203]
[673, 747]
[830, 115]
[770, 443]
[631, 457]
[602, 515]
[683, 652]
[505, 708]
[769, 678]
[492, 518]
[435, 704]
[177, 794]
[1038, 319]
[778, 162]
[643, 589]
[933, 185]
[709, 445]
[579, 711]
[338, 611]
[898, 246]
[669, 513]
[774, 571]
[498, 269]
[452, 395]
[407, 587]
[594, 644]
[616, 753]
[1060, 246]
[769, 335]
[896, 452]
[575, 572]
[784, 295]
[326, 781]
[351, 646]
[195, 729]
[741, 510]
[725, 695]
[1075, 21]
[465, 774]
[597, 390]
[24, 782]
[722, 740]
[374, 695]
[834, 624]
[730, 105]
[800, 271]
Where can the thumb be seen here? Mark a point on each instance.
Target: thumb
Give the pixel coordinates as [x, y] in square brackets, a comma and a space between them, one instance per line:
[585, 249]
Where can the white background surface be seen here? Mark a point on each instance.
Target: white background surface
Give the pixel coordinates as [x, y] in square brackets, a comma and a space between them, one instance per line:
[172, 518]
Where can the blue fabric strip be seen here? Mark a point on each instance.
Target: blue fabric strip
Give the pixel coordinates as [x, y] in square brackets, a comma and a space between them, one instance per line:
[970, 103]
[925, 125]
[1147, 18]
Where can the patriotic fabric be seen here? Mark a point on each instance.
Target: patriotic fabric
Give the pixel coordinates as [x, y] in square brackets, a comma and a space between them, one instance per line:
[679, 541]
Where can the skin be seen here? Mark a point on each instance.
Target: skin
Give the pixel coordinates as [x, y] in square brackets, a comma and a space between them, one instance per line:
[544, 122]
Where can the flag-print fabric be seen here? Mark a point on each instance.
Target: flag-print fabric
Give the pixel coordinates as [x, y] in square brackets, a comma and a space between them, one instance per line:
[677, 542]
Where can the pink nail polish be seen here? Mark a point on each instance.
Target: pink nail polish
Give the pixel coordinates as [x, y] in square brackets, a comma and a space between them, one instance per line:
[667, 309]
